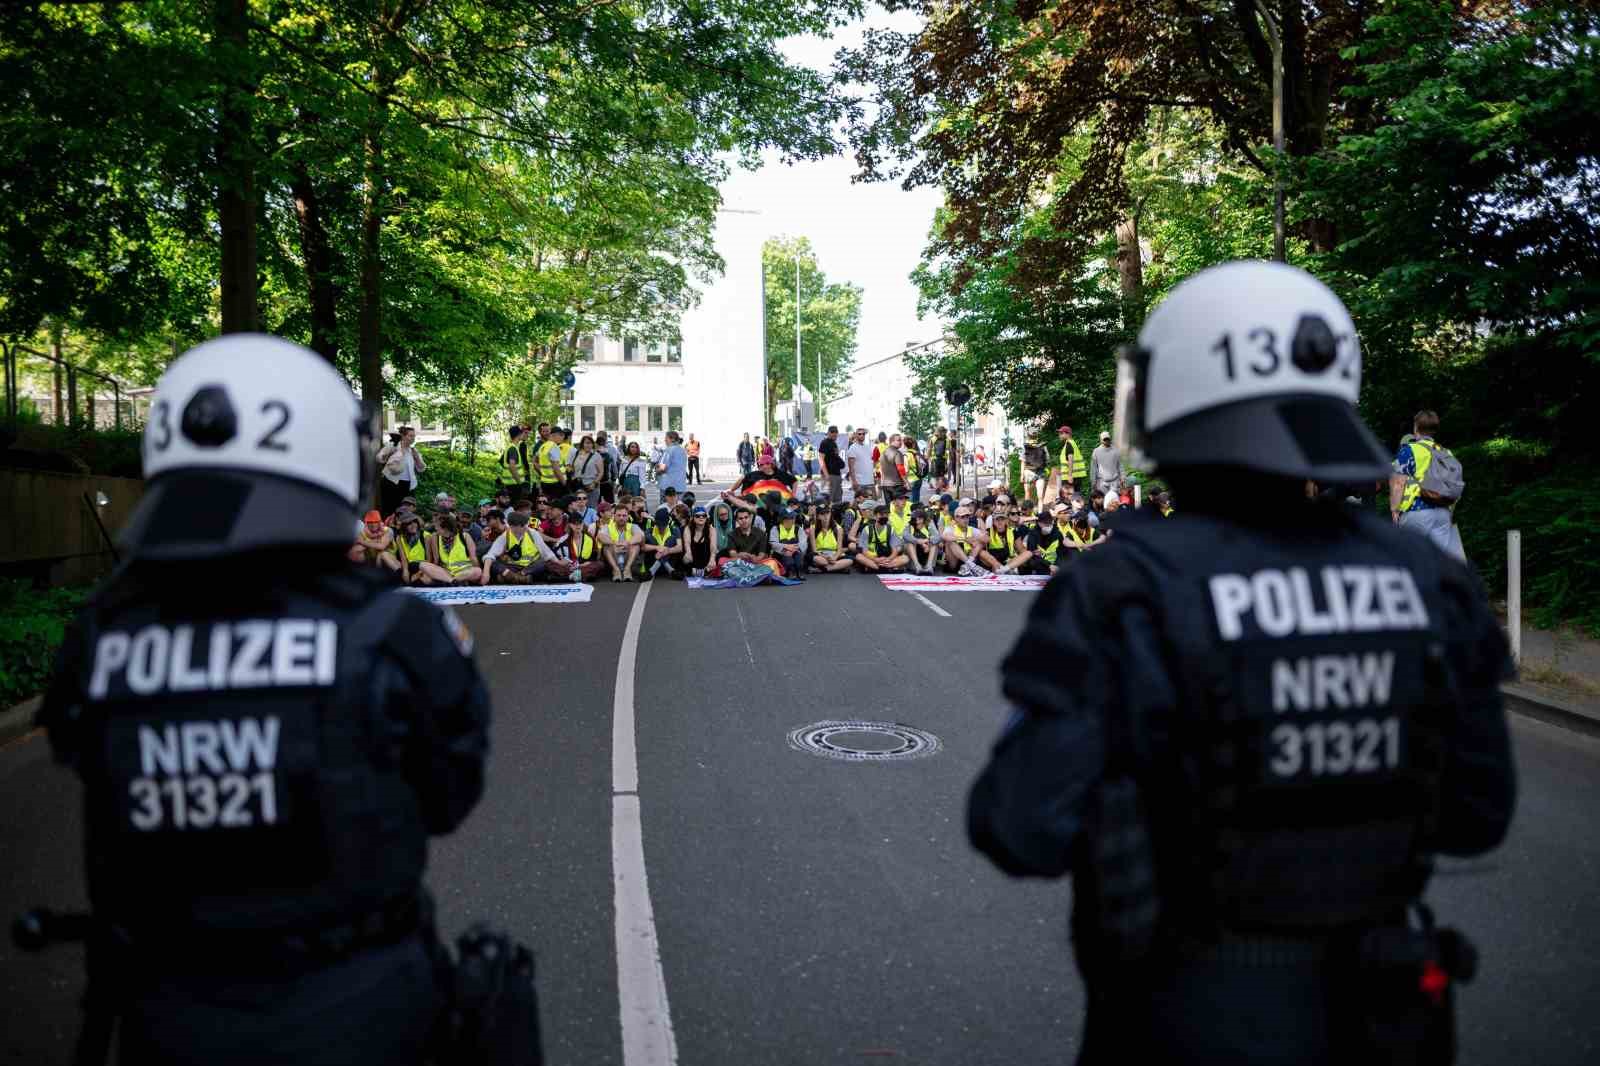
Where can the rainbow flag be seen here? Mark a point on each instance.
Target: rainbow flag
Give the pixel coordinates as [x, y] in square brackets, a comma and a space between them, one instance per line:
[760, 486]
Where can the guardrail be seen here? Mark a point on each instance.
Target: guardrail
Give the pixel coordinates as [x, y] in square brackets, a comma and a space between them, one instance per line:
[11, 354]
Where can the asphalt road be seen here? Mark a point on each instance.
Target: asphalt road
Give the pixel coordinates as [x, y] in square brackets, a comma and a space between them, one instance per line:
[813, 911]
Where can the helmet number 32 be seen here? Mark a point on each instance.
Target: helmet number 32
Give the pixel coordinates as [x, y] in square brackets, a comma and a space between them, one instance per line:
[277, 410]
[1259, 351]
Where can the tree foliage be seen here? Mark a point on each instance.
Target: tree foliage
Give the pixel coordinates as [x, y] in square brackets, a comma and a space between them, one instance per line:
[830, 312]
[436, 189]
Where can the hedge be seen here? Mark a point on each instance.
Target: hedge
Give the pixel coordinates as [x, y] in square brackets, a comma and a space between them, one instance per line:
[32, 624]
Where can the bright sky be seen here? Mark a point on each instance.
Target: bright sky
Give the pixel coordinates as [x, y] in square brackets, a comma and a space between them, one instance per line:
[869, 234]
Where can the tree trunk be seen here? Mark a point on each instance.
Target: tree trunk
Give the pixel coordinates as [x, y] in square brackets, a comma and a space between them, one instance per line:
[55, 369]
[1130, 272]
[318, 255]
[370, 320]
[236, 185]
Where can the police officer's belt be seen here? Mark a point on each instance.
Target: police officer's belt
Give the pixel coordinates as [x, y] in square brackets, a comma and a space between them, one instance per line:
[280, 949]
[1259, 950]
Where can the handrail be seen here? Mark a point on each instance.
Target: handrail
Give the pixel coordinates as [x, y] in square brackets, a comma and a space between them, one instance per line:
[9, 351]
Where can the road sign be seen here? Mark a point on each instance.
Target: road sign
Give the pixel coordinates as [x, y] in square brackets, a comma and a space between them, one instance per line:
[957, 395]
[570, 381]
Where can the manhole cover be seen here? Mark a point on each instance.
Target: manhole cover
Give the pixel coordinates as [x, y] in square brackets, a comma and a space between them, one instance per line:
[864, 741]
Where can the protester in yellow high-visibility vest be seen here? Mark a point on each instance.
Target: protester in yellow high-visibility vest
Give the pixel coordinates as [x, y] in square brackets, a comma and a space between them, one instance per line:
[1070, 460]
[550, 463]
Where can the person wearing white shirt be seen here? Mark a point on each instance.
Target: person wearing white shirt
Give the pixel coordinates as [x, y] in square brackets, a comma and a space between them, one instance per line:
[858, 460]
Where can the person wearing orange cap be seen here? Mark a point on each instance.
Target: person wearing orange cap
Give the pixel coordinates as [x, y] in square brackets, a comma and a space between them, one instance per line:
[372, 545]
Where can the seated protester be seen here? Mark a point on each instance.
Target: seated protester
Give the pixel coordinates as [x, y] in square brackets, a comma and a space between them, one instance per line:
[1097, 501]
[517, 556]
[700, 543]
[1077, 504]
[524, 505]
[502, 500]
[1163, 502]
[746, 543]
[407, 505]
[899, 512]
[1111, 515]
[762, 478]
[983, 510]
[1080, 535]
[493, 526]
[661, 551]
[475, 527]
[920, 542]
[620, 541]
[879, 547]
[410, 548]
[680, 515]
[788, 542]
[452, 558]
[722, 522]
[553, 526]
[581, 509]
[579, 556]
[636, 511]
[1002, 553]
[373, 543]
[1044, 546]
[961, 543]
[828, 543]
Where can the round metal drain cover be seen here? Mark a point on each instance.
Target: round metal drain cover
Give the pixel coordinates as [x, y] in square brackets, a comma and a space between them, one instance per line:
[857, 741]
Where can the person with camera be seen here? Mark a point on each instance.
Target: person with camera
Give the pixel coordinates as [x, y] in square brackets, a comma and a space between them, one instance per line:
[1247, 730]
[401, 464]
[267, 737]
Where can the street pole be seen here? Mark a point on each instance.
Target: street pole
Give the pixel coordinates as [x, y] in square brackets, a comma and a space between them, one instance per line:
[1275, 41]
[797, 385]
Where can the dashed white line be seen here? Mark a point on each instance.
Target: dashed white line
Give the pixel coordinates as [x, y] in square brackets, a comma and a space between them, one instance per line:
[647, 1038]
[934, 607]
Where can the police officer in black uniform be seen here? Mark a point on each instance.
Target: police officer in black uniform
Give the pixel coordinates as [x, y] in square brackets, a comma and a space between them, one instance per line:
[1245, 731]
[266, 735]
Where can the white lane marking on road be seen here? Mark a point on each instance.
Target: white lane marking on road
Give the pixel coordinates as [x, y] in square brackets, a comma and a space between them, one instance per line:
[934, 607]
[647, 1038]
[745, 629]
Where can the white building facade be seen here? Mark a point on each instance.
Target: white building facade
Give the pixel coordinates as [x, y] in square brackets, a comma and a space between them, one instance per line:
[710, 384]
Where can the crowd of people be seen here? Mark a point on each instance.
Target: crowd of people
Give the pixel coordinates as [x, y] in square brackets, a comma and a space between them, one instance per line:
[572, 513]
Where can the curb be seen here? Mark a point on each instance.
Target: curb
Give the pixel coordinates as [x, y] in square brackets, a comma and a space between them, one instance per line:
[1523, 700]
[17, 721]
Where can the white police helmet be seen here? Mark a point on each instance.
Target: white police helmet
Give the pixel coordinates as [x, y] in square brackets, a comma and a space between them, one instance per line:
[252, 442]
[1253, 365]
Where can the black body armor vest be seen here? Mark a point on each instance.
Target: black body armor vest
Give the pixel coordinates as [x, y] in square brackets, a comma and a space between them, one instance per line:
[240, 773]
[1302, 784]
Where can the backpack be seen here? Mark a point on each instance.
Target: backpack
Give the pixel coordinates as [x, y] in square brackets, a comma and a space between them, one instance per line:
[1442, 483]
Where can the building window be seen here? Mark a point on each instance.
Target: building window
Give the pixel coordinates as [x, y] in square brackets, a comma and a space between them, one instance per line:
[586, 418]
[657, 423]
[675, 352]
[630, 418]
[675, 419]
[630, 350]
[586, 349]
[613, 418]
[567, 418]
[653, 353]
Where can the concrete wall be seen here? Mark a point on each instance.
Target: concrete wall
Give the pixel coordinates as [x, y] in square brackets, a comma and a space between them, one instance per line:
[49, 532]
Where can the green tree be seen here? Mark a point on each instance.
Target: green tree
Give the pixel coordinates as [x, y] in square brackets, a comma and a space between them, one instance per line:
[923, 410]
[830, 312]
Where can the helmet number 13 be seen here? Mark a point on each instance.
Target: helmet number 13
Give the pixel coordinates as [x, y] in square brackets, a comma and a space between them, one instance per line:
[1260, 348]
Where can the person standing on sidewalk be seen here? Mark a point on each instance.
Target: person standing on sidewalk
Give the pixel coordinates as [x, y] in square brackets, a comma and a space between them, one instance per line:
[746, 454]
[1425, 486]
[692, 450]
[672, 472]
[832, 464]
[1071, 462]
[1105, 466]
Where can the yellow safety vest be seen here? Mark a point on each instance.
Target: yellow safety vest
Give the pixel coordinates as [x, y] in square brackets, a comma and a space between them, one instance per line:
[1421, 459]
[899, 520]
[1071, 460]
[656, 533]
[1048, 551]
[827, 540]
[878, 541]
[526, 551]
[965, 536]
[913, 466]
[791, 537]
[1010, 543]
[617, 535]
[1090, 539]
[583, 546]
[412, 553]
[455, 558]
[548, 462]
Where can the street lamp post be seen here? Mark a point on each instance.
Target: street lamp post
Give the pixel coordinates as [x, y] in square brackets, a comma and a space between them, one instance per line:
[797, 384]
